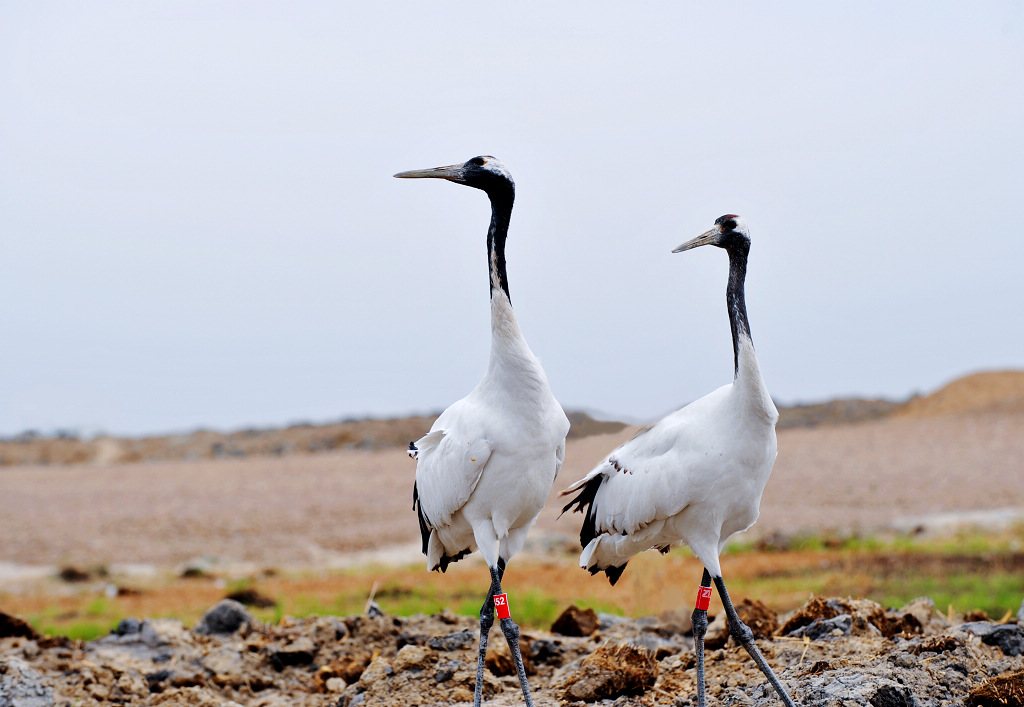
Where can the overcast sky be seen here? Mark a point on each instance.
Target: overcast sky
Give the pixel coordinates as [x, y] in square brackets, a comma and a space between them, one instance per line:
[199, 227]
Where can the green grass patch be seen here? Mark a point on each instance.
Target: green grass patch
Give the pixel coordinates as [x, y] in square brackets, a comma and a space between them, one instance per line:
[994, 593]
[972, 570]
[76, 630]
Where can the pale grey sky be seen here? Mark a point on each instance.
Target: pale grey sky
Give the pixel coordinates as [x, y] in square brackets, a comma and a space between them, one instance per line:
[198, 224]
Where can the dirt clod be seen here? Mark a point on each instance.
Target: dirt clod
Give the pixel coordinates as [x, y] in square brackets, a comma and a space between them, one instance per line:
[575, 621]
[251, 597]
[73, 574]
[612, 671]
[499, 658]
[16, 627]
[762, 621]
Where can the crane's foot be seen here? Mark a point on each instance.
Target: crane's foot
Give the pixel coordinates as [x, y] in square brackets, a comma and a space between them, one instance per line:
[745, 637]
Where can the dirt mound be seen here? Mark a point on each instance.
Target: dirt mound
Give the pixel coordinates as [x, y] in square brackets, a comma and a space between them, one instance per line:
[845, 651]
[844, 411]
[299, 439]
[990, 392]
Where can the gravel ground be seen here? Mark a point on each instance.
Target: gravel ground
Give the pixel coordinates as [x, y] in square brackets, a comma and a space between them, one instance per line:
[831, 653]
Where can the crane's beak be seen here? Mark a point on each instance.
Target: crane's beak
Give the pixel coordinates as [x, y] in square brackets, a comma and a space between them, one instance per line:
[706, 238]
[452, 173]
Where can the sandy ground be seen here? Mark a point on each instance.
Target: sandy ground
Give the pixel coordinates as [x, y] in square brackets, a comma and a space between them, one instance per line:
[332, 508]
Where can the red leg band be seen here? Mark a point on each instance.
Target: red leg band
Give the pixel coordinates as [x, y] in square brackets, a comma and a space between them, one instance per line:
[703, 598]
[501, 606]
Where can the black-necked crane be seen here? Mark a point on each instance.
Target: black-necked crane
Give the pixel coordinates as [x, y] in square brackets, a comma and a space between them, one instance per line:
[486, 466]
[696, 477]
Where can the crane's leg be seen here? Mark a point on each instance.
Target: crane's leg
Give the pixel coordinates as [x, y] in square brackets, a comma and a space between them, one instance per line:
[486, 621]
[745, 637]
[700, 628]
[511, 631]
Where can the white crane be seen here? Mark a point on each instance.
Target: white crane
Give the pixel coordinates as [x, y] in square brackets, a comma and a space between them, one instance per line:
[697, 476]
[488, 463]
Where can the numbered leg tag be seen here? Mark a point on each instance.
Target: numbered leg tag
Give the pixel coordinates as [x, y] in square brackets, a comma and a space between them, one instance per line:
[703, 598]
[501, 606]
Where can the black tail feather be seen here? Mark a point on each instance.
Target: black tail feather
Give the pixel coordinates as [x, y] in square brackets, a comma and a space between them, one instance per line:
[424, 521]
[613, 572]
[584, 502]
[448, 559]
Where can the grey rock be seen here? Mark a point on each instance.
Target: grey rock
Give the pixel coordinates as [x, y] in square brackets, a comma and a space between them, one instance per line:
[823, 628]
[453, 641]
[445, 671]
[126, 627]
[1009, 638]
[1020, 612]
[21, 686]
[301, 651]
[153, 639]
[855, 689]
[606, 621]
[546, 651]
[892, 696]
[225, 618]
[226, 665]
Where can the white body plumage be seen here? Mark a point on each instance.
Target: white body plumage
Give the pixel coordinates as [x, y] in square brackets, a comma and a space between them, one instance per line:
[488, 463]
[696, 477]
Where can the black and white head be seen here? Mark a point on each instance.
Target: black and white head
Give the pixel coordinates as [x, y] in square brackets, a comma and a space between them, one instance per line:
[483, 172]
[730, 232]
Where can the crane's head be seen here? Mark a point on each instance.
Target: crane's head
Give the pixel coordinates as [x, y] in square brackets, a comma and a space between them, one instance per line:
[483, 172]
[730, 232]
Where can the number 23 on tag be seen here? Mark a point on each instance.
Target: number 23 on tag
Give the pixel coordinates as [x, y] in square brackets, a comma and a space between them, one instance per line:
[501, 606]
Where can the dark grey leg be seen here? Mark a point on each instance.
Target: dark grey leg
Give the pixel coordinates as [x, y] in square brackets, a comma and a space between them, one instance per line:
[486, 621]
[511, 631]
[699, 619]
[745, 637]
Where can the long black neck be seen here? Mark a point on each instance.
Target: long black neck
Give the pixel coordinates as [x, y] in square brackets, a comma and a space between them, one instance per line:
[501, 214]
[736, 302]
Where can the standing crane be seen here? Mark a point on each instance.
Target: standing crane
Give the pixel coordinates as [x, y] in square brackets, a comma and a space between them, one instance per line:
[696, 477]
[486, 466]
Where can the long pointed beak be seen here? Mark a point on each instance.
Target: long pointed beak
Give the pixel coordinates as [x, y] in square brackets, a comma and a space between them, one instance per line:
[706, 238]
[451, 172]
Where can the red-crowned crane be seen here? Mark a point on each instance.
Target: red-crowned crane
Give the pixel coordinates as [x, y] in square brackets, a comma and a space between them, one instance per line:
[697, 476]
[488, 463]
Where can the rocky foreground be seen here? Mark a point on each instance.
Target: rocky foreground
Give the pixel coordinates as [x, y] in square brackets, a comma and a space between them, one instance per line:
[829, 652]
